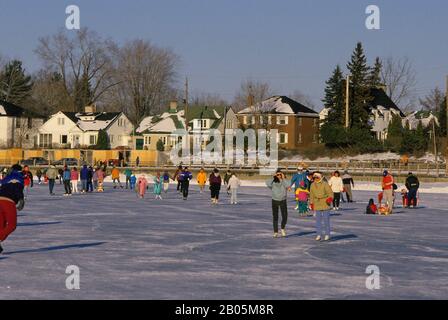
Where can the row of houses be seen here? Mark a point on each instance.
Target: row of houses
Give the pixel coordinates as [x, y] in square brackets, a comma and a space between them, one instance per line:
[297, 124]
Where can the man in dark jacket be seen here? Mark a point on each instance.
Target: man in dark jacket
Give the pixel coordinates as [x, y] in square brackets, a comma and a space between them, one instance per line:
[84, 175]
[185, 177]
[412, 184]
[348, 182]
[11, 193]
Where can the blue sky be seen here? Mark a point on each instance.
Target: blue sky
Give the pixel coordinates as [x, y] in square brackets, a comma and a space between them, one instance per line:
[292, 44]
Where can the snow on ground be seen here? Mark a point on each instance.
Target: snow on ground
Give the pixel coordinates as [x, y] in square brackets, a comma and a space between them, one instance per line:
[174, 249]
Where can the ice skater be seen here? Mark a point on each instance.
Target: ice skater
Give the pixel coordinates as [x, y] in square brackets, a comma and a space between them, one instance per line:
[116, 177]
[234, 184]
[51, 174]
[66, 177]
[27, 179]
[142, 186]
[302, 197]
[11, 193]
[133, 182]
[185, 177]
[166, 181]
[279, 187]
[158, 185]
[321, 198]
[201, 179]
[215, 185]
[74, 178]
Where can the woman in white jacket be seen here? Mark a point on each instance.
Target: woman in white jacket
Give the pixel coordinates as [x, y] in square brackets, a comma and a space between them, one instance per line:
[337, 186]
[233, 184]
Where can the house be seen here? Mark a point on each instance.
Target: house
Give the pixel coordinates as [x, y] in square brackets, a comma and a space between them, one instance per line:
[80, 130]
[18, 127]
[201, 120]
[382, 109]
[297, 125]
[425, 117]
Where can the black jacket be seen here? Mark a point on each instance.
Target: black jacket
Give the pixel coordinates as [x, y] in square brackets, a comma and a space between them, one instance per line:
[412, 182]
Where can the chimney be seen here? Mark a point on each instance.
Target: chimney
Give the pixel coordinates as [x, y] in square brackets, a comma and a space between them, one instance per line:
[90, 109]
[173, 107]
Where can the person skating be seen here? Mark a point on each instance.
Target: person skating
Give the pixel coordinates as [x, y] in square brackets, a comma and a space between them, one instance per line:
[74, 178]
[234, 184]
[66, 177]
[61, 175]
[166, 181]
[28, 181]
[52, 175]
[39, 176]
[84, 176]
[185, 177]
[279, 187]
[349, 183]
[226, 181]
[321, 197]
[101, 175]
[302, 198]
[176, 177]
[142, 186]
[387, 185]
[201, 179]
[337, 186]
[298, 177]
[412, 184]
[215, 185]
[116, 177]
[158, 185]
[11, 193]
[133, 182]
[128, 173]
[90, 179]
[371, 207]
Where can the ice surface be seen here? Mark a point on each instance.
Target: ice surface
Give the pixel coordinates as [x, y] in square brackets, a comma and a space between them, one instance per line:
[174, 249]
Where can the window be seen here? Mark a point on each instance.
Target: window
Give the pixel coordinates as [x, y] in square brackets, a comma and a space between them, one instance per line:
[18, 123]
[283, 138]
[244, 119]
[300, 138]
[92, 139]
[229, 124]
[253, 120]
[164, 140]
[121, 122]
[27, 137]
[45, 140]
[63, 139]
[147, 140]
[261, 120]
[269, 119]
[282, 120]
[30, 123]
[120, 139]
[111, 138]
[61, 121]
[300, 121]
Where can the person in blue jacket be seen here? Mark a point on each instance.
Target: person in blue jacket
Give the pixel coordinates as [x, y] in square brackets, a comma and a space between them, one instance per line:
[132, 182]
[298, 177]
[84, 177]
[11, 195]
[185, 177]
[66, 177]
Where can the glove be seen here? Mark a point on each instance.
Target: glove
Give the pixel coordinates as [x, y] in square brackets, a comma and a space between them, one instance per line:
[329, 200]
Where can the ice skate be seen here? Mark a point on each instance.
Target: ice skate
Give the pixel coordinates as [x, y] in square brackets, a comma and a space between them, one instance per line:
[327, 238]
[318, 238]
[283, 233]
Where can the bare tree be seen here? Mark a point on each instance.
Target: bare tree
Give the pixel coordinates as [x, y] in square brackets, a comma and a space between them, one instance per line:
[83, 63]
[433, 100]
[399, 77]
[146, 75]
[302, 98]
[207, 99]
[257, 89]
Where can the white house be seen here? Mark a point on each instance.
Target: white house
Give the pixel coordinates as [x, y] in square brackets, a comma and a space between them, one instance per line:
[18, 127]
[80, 130]
[425, 117]
[201, 119]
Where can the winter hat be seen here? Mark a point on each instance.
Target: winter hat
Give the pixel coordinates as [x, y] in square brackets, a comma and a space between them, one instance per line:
[385, 173]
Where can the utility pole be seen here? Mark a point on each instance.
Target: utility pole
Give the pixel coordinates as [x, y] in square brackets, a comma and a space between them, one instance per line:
[187, 144]
[347, 101]
[446, 106]
[436, 157]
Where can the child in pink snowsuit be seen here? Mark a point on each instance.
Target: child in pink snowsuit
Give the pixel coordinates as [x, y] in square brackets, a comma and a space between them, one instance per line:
[142, 184]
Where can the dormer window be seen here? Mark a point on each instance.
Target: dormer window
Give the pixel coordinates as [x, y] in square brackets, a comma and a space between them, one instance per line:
[61, 121]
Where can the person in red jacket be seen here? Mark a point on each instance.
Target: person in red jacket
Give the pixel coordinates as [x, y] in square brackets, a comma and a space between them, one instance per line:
[27, 179]
[11, 193]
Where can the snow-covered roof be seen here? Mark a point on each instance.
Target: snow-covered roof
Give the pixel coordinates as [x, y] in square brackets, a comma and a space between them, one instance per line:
[415, 117]
[281, 105]
[165, 122]
[93, 121]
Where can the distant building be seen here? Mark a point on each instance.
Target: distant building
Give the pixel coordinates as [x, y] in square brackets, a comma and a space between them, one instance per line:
[80, 130]
[201, 119]
[297, 125]
[18, 127]
[425, 117]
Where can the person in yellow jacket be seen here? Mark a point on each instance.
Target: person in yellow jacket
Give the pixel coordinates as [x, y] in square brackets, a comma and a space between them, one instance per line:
[202, 179]
[321, 198]
[116, 177]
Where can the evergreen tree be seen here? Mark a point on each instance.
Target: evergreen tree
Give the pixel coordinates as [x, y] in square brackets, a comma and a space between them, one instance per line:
[359, 89]
[15, 85]
[441, 116]
[160, 146]
[103, 141]
[83, 93]
[334, 97]
[375, 74]
[395, 133]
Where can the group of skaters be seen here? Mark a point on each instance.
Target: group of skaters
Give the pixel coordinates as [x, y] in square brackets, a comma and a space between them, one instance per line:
[317, 196]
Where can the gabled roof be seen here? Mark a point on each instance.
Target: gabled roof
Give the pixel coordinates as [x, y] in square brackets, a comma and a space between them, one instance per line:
[380, 98]
[279, 105]
[102, 120]
[11, 110]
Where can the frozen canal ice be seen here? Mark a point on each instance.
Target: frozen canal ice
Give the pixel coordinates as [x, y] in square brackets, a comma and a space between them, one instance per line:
[128, 248]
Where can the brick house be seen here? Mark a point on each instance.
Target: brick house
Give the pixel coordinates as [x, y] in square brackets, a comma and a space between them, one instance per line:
[297, 125]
